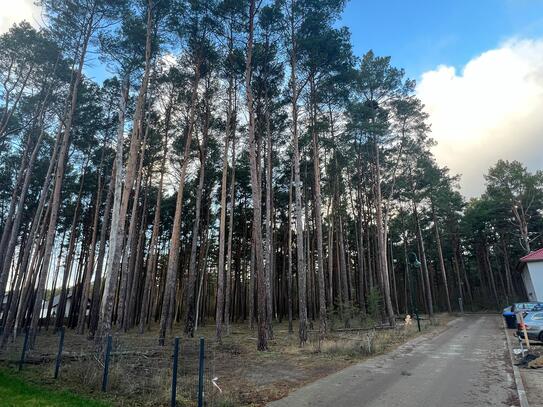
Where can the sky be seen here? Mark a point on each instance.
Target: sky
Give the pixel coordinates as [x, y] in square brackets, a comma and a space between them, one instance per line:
[479, 69]
[478, 65]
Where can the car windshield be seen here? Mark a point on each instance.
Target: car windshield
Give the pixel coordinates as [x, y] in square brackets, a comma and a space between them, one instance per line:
[528, 305]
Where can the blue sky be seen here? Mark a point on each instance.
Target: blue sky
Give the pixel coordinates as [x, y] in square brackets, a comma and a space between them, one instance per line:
[421, 34]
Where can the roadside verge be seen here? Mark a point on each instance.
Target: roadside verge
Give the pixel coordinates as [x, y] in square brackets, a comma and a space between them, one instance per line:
[523, 399]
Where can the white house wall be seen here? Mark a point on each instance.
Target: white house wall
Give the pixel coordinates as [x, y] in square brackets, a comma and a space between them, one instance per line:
[536, 276]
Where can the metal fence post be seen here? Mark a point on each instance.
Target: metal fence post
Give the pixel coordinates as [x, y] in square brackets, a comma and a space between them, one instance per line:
[59, 354]
[201, 374]
[174, 371]
[25, 345]
[106, 364]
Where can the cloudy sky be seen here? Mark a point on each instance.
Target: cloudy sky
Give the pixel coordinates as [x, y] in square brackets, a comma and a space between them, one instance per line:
[479, 68]
[478, 63]
[13, 11]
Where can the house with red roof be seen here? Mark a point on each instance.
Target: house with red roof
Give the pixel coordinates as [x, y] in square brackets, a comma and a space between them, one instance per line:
[532, 274]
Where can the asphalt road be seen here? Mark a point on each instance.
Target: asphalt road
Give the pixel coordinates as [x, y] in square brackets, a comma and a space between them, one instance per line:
[465, 365]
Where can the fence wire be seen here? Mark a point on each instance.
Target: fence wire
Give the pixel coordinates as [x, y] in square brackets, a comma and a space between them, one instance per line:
[140, 369]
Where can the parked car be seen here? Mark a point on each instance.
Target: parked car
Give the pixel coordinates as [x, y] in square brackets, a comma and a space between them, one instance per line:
[526, 306]
[510, 313]
[533, 322]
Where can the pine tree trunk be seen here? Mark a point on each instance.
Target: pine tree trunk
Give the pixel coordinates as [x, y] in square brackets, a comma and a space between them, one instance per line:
[12, 229]
[90, 262]
[490, 274]
[97, 285]
[381, 242]
[128, 271]
[259, 272]
[123, 194]
[425, 274]
[55, 198]
[507, 267]
[230, 235]
[61, 309]
[116, 233]
[269, 219]
[190, 317]
[153, 246]
[300, 269]
[289, 245]
[318, 217]
[219, 315]
[168, 299]
[441, 261]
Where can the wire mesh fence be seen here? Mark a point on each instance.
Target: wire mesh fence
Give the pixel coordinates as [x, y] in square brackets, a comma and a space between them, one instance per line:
[131, 367]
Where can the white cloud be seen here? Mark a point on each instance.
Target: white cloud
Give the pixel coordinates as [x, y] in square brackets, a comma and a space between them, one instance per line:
[493, 109]
[15, 11]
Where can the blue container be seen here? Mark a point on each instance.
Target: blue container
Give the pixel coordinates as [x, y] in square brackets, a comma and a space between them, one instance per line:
[510, 320]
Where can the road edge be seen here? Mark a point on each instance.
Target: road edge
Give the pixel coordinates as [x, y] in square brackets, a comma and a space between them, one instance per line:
[523, 399]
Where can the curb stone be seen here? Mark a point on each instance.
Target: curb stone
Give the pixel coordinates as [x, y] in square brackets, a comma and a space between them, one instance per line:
[523, 399]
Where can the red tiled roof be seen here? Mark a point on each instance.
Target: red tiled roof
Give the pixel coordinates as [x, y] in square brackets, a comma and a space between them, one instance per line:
[533, 256]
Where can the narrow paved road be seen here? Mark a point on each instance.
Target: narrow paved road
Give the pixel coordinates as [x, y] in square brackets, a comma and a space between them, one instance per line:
[465, 365]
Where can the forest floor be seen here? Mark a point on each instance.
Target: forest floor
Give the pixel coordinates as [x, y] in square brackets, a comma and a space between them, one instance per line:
[140, 369]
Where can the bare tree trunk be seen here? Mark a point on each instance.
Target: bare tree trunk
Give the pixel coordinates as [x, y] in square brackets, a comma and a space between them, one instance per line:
[168, 300]
[262, 343]
[61, 309]
[13, 220]
[11, 227]
[318, 217]
[55, 279]
[331, 263]
[302, 289]
[55, 199]
[191, 286]
[153, 246]
[138, 281]
[441, 261]
[204, 250]
[90, 261]
[425, 274]
[491, 274]
[289, 245]
[269, 255]
[120, 209]
[518, 211]
[127, 269]
[230, 235]
[31, 241]
[219, 315]
[508, 280]
[381, 242]
[97, 285]
[115, 233]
